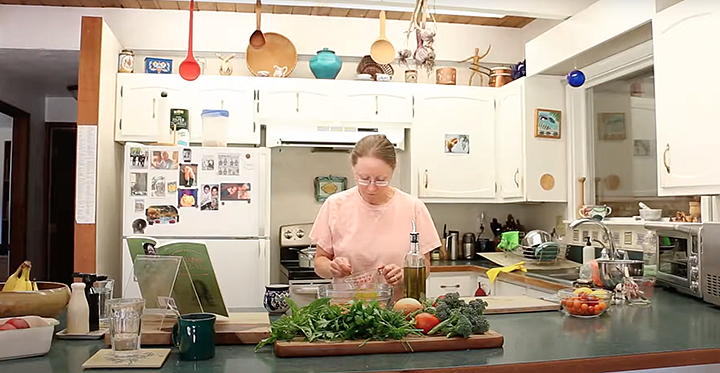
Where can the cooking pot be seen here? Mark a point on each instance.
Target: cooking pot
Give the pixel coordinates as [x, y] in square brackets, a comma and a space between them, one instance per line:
[306, 257]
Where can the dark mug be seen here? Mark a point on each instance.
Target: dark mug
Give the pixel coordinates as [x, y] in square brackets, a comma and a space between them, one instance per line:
[194, 336]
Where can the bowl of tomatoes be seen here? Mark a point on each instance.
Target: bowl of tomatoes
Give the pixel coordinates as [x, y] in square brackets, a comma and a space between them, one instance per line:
[584, 302]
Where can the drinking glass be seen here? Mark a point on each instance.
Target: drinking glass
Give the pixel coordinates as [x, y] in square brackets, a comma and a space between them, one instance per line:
[640, 290]
[105, 293]
[125, 325]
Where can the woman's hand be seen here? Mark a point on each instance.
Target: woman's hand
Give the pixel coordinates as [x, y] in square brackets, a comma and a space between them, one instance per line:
[340, 267]
[392, 273]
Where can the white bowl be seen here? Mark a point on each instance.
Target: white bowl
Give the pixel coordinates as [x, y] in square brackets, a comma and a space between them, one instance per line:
[651, 214]
[33, 341]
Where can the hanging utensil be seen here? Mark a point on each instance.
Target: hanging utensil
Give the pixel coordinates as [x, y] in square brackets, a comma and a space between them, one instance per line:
[190, 68]
[257, 39]
[382, 50]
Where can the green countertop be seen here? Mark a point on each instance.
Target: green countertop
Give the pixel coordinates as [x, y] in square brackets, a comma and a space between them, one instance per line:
[673, 324]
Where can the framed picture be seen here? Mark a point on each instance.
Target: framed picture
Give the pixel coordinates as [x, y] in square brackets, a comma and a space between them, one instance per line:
[548, 123]
[325, 186]
[611, 126]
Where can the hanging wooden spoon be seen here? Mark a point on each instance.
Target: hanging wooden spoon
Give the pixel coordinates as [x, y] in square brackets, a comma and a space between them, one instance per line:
[382, 50]
[190, 69]
[257, 39]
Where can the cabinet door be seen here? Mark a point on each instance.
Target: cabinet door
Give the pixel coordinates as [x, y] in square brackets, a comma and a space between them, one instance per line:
[238, 99]
[373, 103]
[687, 132]
[453, 143]
[144, 103]
[297, 102]
[510, 141]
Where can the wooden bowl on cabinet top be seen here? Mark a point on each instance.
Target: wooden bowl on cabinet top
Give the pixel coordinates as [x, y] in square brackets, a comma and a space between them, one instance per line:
[49, 300]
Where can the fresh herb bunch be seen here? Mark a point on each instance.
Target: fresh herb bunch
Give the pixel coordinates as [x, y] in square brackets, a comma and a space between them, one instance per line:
[357, 320]
[458, 318]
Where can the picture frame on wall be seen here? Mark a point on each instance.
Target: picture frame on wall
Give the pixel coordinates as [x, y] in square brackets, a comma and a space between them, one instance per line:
[611, 126]
[548, 123]
[325, 186]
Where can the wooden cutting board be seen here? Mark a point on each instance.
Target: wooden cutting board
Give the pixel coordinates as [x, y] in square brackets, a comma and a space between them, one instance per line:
[505, 260]
[238, 328]
[490, 339]
[515, 304]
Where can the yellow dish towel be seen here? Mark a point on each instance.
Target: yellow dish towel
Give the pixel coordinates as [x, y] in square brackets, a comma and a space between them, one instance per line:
[494, 272]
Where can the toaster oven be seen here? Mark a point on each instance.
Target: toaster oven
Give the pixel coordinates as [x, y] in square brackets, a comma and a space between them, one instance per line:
[710, 262]
[678, 253]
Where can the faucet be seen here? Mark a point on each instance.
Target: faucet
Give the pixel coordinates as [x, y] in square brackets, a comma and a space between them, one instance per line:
[608, 233]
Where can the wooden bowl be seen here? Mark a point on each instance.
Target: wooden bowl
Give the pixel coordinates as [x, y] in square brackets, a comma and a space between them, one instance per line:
[49, 301]
[277, 51]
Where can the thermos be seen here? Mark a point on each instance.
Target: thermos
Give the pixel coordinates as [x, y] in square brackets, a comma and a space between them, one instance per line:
[452, 245]
[468, 245]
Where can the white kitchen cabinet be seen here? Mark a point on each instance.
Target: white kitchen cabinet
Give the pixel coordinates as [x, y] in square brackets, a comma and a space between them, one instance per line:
[366, 103]
[463, 116]
[510, 121]
[441, 283]
[293, 101]
[530, 168]
[143, 104]
[686, 117]
[235, 96]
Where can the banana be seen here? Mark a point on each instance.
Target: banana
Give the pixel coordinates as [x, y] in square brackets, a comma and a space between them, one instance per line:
[24, 284]
[12, 281]
[34, 287]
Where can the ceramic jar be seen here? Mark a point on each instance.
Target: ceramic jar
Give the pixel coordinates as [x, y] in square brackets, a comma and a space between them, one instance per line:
[78, 311]
[325, 64]
[274, 299]
[446, 75]
[411, 76]
[126, 61]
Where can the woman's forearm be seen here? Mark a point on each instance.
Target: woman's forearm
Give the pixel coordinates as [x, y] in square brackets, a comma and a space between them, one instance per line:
[322, 266]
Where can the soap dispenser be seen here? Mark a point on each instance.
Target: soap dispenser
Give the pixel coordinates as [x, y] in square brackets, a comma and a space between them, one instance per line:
[92, 297]
[415, 272]
[588, 252]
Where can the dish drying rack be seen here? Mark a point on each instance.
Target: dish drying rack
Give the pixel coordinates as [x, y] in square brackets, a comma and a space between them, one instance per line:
[547, 254]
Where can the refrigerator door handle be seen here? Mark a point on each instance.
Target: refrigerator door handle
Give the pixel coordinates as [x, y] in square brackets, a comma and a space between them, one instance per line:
[263, 254]
[264, 198]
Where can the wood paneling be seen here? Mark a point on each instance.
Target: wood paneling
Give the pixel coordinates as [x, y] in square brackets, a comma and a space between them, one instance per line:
[88, 103]
[208, 6]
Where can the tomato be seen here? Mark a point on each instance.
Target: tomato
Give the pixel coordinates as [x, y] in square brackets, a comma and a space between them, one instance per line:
[426, 321]
[577, 303]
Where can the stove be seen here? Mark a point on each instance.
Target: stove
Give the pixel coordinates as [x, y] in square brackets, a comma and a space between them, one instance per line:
[304, 282]
[293, 238]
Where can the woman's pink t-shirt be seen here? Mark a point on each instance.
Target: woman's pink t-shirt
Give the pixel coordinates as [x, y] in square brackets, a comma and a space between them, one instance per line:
[372, 235]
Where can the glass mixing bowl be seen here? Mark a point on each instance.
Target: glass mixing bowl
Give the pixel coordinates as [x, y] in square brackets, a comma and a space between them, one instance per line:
[342, 293]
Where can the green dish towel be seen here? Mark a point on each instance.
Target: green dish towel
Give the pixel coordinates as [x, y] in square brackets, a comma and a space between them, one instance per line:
[509, 241]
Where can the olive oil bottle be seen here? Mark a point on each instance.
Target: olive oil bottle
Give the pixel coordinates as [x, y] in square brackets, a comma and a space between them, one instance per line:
[414, 269]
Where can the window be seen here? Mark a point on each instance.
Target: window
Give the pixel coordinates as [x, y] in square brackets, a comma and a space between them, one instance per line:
[624, 146]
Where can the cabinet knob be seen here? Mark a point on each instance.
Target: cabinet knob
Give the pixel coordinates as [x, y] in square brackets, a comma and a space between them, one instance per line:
[665, 160]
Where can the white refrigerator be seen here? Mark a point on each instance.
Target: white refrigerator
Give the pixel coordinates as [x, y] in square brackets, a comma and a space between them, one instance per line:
[217, 196]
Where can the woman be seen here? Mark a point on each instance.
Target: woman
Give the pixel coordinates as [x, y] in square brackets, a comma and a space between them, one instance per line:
[368, 227]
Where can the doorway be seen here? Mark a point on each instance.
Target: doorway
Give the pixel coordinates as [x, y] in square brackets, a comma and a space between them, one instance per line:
[60, 143]
[15, 183]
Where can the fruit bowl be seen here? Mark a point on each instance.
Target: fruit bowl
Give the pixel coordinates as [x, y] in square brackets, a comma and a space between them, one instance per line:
[48, 301]
[584, 302]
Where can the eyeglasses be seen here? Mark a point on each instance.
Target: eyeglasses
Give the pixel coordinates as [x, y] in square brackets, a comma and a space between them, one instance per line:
[366, 182]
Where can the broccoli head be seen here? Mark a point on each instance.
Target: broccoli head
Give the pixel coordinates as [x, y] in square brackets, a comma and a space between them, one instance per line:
[462, 326]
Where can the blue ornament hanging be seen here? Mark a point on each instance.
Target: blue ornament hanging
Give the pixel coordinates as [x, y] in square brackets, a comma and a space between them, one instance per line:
[576, 78]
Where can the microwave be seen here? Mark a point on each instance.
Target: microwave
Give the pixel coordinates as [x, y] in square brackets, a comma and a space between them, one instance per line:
[678, 256]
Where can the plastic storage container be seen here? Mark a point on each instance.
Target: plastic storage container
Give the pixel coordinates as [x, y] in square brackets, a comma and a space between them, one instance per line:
[33, 341]
[215, 126]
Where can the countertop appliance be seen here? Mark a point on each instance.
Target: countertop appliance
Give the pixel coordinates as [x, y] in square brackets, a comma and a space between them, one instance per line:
[217, 196]
[302, 279]
[679, 256]
[710, 262]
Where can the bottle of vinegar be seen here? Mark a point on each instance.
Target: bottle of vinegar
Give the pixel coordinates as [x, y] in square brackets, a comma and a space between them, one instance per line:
[414, 269]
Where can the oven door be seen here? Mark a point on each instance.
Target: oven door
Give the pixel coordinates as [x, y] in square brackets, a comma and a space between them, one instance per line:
[678, 259]
[303, 292]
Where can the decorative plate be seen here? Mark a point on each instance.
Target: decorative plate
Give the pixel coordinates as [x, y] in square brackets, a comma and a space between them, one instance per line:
[325, 186]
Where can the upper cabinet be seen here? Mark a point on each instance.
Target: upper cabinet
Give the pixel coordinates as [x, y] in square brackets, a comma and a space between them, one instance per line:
[685, 108]
[144, 103]
[510, 153]
[368, 103]
[453, 152]
[291, 101]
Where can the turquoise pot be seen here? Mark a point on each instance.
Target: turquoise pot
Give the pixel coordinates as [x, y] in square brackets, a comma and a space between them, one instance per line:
[325, 64]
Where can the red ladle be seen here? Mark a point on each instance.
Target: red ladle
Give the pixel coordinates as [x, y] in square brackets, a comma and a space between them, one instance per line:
[190, 69]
